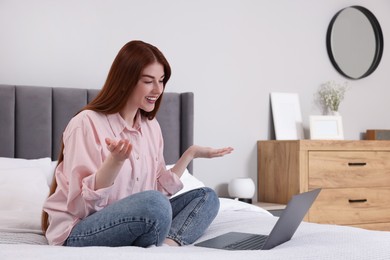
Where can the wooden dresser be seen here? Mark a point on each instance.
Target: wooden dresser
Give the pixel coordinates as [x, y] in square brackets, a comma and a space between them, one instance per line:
[354, 177]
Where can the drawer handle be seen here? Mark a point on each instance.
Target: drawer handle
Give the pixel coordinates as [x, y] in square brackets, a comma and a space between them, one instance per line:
[357, 164]
[357, 201]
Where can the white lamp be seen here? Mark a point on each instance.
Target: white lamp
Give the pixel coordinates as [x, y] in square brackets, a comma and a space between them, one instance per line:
[242, 188]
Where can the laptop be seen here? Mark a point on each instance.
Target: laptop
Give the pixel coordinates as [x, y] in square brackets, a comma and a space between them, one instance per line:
[282, 232]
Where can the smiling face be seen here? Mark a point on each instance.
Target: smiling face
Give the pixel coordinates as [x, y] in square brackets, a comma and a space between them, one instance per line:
[147, 90]
[149, 87]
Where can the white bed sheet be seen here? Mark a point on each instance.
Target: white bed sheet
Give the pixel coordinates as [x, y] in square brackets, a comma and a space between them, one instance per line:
[311, 241]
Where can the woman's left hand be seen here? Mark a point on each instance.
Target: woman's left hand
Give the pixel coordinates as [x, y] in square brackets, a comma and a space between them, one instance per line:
[196, 151]
[208, 152]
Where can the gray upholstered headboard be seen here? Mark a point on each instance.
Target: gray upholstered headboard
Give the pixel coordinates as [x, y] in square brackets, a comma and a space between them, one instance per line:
[32, 120]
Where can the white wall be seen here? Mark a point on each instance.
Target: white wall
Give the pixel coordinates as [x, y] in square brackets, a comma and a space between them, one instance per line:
[230, 53]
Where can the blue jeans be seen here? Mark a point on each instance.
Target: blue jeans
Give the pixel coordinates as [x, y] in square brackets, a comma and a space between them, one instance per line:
[148, 218]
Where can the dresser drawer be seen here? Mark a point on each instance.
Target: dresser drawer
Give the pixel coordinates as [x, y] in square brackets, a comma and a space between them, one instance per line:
[351, 206]
[342, 169]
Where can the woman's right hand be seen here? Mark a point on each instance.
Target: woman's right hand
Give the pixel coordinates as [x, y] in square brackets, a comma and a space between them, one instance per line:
[120, 150]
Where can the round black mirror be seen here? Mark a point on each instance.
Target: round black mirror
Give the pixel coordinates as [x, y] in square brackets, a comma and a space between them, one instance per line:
[354, 42]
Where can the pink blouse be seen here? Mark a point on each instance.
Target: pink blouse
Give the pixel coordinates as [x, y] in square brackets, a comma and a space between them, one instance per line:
[84, 138]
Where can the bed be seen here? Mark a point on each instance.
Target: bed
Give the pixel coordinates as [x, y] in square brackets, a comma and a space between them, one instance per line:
[32, 119]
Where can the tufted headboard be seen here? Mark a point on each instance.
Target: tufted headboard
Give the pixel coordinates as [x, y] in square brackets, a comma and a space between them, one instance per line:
[33, 118]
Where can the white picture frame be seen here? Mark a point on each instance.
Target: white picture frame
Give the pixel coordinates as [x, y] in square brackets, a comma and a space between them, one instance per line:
[326, 128]
[287, 116]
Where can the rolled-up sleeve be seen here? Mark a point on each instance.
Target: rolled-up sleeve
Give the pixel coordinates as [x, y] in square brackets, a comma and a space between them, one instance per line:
[82, 157]
[167, 181]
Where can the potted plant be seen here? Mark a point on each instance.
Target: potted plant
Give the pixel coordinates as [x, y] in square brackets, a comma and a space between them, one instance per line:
[330, 95]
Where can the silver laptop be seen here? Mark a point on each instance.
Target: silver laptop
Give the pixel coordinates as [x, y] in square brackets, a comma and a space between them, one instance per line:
[283, 230]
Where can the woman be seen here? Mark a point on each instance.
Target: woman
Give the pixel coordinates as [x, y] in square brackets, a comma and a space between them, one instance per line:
[111, 187]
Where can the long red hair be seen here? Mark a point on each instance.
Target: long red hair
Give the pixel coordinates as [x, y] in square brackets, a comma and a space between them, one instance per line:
[122, 78]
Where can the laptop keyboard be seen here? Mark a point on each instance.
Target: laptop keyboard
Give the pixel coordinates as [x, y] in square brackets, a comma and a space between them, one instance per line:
[254, 242]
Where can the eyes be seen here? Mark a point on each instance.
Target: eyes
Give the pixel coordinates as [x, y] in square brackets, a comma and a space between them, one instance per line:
[148, 80]
[151, 81]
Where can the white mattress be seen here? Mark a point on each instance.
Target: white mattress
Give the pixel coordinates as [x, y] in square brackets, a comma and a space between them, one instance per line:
[311, 241]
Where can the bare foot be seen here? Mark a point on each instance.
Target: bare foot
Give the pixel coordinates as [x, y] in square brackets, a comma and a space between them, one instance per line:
[171, 242]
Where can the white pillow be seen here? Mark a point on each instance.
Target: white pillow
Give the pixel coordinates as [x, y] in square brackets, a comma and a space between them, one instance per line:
[23, 190]
[50, 177]
[189, 182]
[14, 163]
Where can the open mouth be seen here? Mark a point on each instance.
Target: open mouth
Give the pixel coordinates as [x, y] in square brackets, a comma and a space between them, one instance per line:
[151, 99]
